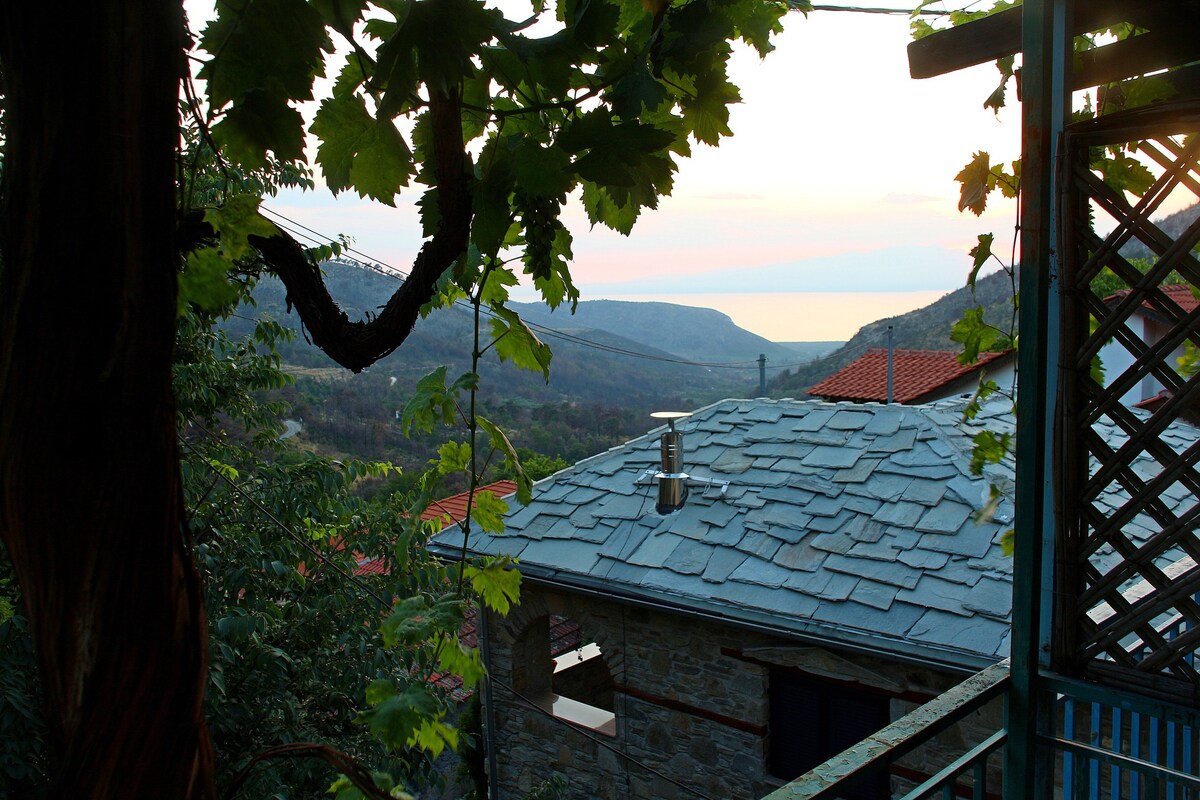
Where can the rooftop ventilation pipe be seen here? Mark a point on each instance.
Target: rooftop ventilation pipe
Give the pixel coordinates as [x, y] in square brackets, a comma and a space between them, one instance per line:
[672, 489]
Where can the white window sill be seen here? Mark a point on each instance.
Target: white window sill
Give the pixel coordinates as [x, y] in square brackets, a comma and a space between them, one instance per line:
[577, 713]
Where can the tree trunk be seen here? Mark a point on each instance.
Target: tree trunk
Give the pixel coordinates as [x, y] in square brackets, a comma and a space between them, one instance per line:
[90, 497]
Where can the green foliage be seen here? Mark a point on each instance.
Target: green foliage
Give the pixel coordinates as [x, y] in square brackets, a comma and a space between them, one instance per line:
[990, 448]
[977, 336]
[605, 102]
[497, 582]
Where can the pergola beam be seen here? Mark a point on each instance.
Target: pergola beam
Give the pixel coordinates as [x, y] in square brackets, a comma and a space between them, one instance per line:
[999, 35]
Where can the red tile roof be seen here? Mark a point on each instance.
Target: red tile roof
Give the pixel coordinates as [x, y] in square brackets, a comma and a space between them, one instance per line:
[915, 374]
[1180, 294]
[455, 506]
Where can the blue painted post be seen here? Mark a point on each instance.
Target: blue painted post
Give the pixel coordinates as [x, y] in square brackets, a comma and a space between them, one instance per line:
[1046, 46]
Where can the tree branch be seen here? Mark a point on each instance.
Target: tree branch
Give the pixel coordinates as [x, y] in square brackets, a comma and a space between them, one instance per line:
[359, 344]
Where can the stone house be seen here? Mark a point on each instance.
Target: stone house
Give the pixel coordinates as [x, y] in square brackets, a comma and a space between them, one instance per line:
[823, 577]
[1146, 327]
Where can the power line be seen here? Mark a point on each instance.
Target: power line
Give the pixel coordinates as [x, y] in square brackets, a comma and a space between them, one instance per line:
[386, 270]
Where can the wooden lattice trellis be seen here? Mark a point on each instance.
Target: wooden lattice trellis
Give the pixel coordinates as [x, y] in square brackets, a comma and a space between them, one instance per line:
[1129, 555]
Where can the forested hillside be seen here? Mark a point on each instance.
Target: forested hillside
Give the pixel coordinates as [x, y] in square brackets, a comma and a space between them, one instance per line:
[598, 394]
[926, 328]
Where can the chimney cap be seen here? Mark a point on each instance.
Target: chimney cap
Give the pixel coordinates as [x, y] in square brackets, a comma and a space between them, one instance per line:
[670, 414]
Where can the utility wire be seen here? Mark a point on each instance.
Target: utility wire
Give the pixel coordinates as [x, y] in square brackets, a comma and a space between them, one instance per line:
[382, 268]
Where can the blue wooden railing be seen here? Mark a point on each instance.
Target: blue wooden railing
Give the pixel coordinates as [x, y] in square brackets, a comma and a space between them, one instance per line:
[1107, 745]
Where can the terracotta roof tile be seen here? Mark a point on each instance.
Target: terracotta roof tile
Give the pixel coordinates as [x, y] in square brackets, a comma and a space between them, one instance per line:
[1181, 295]
[455, 506]
[915, 373]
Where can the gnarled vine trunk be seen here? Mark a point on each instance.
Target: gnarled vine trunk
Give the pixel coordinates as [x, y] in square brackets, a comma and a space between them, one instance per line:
[90, 497]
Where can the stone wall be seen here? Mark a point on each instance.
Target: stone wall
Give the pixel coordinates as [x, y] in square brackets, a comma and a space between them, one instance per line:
[690, 700]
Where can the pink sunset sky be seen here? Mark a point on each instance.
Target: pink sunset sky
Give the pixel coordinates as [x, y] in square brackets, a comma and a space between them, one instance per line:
[833, 204]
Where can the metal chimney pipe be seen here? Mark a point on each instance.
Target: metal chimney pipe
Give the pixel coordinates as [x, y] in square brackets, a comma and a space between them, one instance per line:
[672, 486]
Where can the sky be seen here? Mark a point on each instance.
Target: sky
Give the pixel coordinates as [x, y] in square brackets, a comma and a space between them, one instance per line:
[834, 204]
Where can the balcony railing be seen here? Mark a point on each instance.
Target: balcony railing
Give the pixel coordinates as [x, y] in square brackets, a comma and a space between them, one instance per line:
[1106, 744]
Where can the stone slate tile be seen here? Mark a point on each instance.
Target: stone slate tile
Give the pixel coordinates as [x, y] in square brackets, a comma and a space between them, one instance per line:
[795, 604]
[624, 507]
[884, 422]
[958, 570]
[859, 473]
[759, 544]
[770, 432]
[764, 573]
[720, 514]
[937, 473]
[765, 462]
[925, 492]
[933, 592]
[763, 477]
[824, 506]
[900, 514]
[750, 500]
[793, 464]
[655, 550]
[619, 484]
[788, 494]
[992, 598]
[710, 425]
[861, 505]
[864, 529]
[875, 595]
[723, 562]
[522, 516]
[732, 462]
[770, 449]
[967, 542]
[567, 554]
[923, 559]
[885, 487]
[689, 558]
[883, 550]
[620, 571]
[783, 515]
[596, 535]
[535, 529]
[814, 420]
[750, 595]
[561, 529]
[583, 518]
[892, 573]
[728, 536]
[829, 524]
[509, 546]
[943, 448]
[800, 556]
[555, 492]
[899, 442]
[623, 540]
[582, 494]
[947, 517]
[673, 582]
[894, 622]
[697, 530]
[832, 542]
[817, 484]
[973, 634]
[823, 584]
[846, 420]
[921, 455]
[764, 412]
[824, 438]
[785, 533]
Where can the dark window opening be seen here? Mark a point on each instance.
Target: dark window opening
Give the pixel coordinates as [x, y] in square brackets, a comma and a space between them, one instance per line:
[812, 721]
[556, 666]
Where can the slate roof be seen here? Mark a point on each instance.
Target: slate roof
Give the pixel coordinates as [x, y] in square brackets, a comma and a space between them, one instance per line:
[915, 375]
[845, 524]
